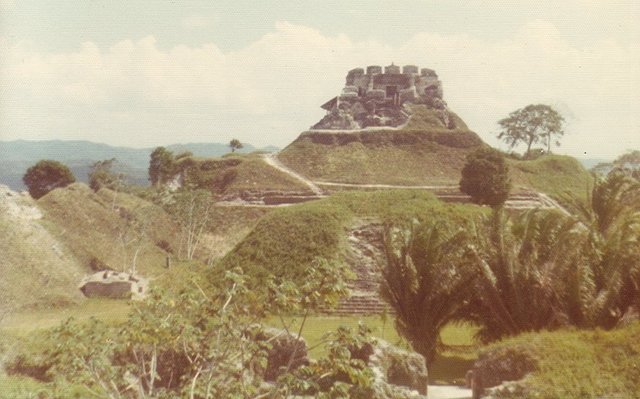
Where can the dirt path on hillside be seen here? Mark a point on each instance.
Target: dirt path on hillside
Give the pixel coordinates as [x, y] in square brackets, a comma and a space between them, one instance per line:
[272, 160]
[389, 186]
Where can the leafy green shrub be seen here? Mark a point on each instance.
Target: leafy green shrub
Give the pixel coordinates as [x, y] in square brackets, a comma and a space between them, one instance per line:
[342, 374]
[425, 280]
[193, 340]
[572, 364]
[485, 177]
[45, 176]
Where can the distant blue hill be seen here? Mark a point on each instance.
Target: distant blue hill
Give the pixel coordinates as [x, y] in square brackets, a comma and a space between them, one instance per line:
[17, 156]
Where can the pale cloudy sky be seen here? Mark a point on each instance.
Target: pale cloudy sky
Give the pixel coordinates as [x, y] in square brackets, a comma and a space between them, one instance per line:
[148, 73]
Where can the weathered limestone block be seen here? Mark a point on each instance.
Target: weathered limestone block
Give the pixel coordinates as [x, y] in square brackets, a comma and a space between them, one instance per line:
[374, 69]
[410, 69]
[498, 366]
[286, 351]
[392, 69]
[428, 72]
[350, 90]
[399, 367]
[376, 94]
[398, 374]
[353, 74]
[348, 96]
[337, 120]
[115, 285]
[408, 95]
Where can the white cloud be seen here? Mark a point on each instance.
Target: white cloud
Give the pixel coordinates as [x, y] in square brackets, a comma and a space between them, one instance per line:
[7, 5]
[195, 22]
[135, 92]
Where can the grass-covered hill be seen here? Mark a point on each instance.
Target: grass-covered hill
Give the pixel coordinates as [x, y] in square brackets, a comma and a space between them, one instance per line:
[423, 152]
[565, 364]
[556, 175]
[48, 245]
[235, 173]
[287, 240]
[17, 156]
[35, 267]
[107, 229]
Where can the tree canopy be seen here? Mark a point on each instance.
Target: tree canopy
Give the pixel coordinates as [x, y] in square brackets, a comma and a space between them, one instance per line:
[45, 176]
[485, 177]
[530, 125]
[425, 280]
[161, 166]
[235, 144]
[102, 175]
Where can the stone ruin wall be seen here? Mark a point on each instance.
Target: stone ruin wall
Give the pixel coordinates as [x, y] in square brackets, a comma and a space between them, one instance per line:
[411, 82]
[375, 97]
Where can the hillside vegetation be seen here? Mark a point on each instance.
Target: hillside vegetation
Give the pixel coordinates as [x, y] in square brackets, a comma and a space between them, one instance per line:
[286, 241]
[423, 152]
[48, 245]
[109, 229]
[35, 267]
[236, 173]
[569, 364]
[556, 175]
[17, 156]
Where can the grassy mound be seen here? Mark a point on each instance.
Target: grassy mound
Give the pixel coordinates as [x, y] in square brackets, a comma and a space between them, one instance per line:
[35, 269]
[234, 173]
[577, 364]
[108, 229]
[423, 152]
[228, 226]
[287, 240]
[556, 175]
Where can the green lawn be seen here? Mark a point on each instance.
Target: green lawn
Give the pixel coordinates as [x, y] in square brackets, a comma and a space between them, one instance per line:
[25, 322]
[448, 368]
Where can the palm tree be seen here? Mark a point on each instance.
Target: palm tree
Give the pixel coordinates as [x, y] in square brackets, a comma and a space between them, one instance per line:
[519, 262]
[609, 249]
[425, 280]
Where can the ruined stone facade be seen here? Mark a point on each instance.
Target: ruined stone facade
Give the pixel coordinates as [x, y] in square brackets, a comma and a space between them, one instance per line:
[377, 98]
[114, 285]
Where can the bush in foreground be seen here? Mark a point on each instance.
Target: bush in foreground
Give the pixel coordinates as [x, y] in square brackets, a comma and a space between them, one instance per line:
[45, 176]
[485, 177]
[564, 365]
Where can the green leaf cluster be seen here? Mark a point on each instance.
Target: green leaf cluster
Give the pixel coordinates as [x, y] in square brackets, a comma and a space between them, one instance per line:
[45, 176]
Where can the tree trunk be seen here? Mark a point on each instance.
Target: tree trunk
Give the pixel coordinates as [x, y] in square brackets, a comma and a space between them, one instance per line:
[529, 148]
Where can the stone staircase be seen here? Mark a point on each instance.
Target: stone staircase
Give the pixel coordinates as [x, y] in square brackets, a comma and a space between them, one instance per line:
[366, 304]
[519, 199]
[364, 256]
[271, 197]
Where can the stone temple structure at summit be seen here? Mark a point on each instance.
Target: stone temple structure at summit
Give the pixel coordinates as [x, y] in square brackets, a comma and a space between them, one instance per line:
[376, 98]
